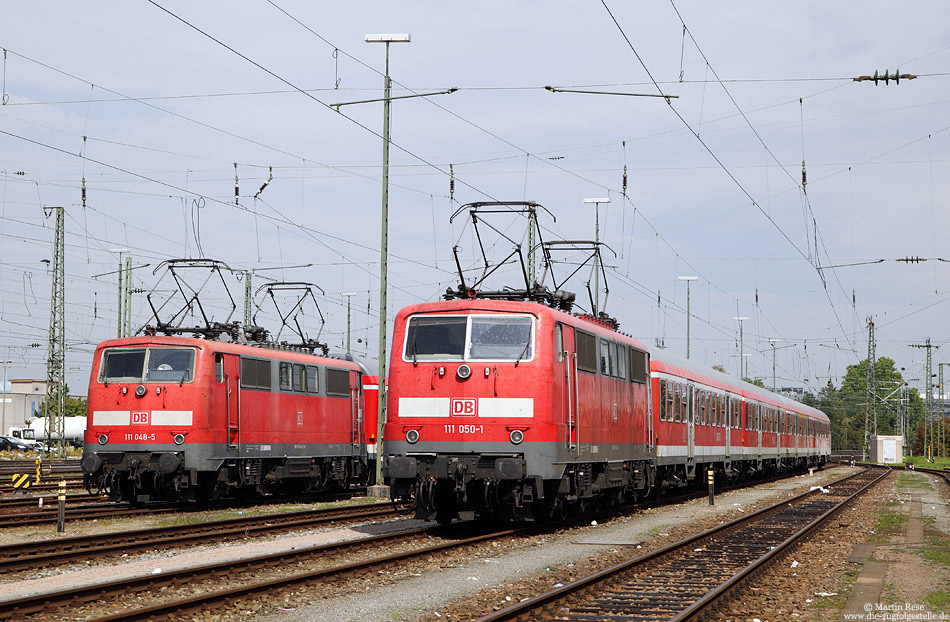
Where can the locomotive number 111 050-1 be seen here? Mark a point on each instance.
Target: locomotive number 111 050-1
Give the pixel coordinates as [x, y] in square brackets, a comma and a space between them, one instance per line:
[451, 428]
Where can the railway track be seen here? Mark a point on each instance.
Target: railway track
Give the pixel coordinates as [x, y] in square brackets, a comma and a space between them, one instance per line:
[261, 574]
[43, 486]
[105, 511]
[48, 468]
[19, 504]
[36, 555]
[687, 579]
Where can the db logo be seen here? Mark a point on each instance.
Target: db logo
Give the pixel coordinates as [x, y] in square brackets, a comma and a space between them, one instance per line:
[140, 417]
[464, 407]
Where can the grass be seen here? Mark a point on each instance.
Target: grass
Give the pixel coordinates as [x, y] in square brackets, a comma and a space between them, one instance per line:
[939, 600]
[828, 607]
[922, 462]
[912, 481]
[888, 523]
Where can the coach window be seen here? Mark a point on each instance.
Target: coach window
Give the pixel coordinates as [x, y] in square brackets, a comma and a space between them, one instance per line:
[677, 401]
[702, 407]
[691, 410]
[662, 400]
[284, 376]
[219, 367]
[313, 383]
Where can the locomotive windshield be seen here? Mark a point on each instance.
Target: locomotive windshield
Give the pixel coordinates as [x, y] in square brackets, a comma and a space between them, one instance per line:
[147, 365]
[471, 337]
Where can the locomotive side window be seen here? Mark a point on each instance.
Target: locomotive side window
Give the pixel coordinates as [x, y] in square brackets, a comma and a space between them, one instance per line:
[338, 382]
[313, 384]
[300, 377]
[559, 341]
[614, 365]
[586, 345]
[255, 374]
[219, 367]
[621, 362]
[604, 358]
[283, 373]
[638, 366]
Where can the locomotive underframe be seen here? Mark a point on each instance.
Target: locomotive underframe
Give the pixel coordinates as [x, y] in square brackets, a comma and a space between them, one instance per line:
[163, 476]
[500, 487]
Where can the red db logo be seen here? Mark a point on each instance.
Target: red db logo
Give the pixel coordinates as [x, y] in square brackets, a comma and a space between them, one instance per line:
[464, 407]
[140, 417]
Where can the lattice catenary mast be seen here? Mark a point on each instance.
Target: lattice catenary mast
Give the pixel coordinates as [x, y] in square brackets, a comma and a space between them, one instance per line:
[56, 361]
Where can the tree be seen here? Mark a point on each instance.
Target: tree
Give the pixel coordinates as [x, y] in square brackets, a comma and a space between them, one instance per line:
[74, 406]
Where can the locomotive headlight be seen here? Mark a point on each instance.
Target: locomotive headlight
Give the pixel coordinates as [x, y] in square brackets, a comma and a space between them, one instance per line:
[412, 436]
[179, 439]
[140, 390]
[103, 439]
[516, 436]
[464, 371]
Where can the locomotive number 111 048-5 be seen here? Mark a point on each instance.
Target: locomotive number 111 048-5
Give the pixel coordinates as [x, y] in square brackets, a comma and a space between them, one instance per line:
[451, 428]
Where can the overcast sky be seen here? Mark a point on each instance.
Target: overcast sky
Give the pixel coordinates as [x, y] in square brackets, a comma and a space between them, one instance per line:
[153, 103]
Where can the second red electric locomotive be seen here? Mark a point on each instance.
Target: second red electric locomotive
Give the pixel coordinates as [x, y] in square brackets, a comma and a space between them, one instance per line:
[186, 419]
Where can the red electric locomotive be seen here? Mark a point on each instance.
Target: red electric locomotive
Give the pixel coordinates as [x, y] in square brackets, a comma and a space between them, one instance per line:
[515, 410]
[186, 419]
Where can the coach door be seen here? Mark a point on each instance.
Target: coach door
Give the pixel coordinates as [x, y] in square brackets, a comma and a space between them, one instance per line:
[567, 371]
[690, 425]
[227, 374]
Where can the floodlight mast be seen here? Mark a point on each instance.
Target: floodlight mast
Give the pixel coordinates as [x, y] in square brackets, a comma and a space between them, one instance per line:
[384, 249]
[687, 279]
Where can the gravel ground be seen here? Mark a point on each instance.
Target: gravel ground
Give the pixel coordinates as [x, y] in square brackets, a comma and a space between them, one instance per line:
[492, 579]
[24, 584]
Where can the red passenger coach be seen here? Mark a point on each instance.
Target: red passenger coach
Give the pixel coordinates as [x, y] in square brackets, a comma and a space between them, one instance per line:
[186, 419]
[706, 419]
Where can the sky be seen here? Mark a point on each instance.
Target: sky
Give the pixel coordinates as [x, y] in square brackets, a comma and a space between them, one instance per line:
[790, 190]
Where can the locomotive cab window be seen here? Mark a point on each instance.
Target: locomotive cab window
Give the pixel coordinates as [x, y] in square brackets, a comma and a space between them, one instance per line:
[147, 365]
[471, 337]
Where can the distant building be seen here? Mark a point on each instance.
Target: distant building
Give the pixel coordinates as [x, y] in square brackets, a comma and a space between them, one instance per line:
[21, 404]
